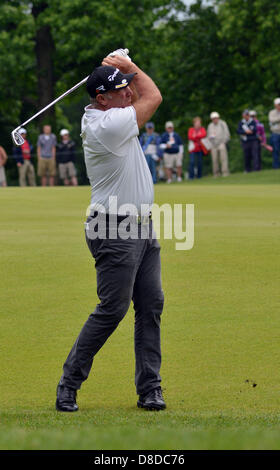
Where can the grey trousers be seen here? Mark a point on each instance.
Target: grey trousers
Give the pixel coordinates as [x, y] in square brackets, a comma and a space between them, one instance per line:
[126, 270]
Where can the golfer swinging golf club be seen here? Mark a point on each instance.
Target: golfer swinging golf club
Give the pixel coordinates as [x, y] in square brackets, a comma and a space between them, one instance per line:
[123, 99]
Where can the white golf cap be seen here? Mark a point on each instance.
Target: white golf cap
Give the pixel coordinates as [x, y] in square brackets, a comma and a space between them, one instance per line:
[168, 124]
[22, 131]
[64, 132]
[277, 101]
[214, 115]
[253, 112]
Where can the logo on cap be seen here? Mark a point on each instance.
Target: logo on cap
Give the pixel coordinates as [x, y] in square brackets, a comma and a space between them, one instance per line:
[105, 78]
[124, 83]
[100, 88]
[111, 78]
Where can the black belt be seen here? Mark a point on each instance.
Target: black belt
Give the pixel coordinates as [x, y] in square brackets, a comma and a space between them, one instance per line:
[119, 218]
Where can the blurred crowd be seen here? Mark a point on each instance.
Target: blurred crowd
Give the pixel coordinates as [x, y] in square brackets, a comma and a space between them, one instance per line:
[54, 159]
[164, 152]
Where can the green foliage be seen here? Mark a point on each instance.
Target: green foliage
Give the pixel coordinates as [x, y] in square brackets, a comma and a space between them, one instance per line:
[221, 57]
[16, 62]
[187, 68]
[83, 33]
[252, 28]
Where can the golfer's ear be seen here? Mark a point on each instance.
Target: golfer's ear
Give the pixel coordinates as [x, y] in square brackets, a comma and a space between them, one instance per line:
[101, 99]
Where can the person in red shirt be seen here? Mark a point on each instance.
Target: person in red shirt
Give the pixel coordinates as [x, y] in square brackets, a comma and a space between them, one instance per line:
[23, 158]
[195, 134]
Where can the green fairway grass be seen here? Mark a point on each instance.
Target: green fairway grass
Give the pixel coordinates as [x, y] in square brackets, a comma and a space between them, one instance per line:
[220, 325]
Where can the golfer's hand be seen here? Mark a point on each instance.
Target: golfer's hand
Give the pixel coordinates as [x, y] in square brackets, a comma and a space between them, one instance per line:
[122, 52]
[122, 63]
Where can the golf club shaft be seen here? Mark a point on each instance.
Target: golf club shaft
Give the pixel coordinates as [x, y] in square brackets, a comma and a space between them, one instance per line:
[55, 101]
[18, 140]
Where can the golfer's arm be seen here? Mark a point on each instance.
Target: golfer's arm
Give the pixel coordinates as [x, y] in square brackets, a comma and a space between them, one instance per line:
[148, 96]
[135, 96]
[39, 152]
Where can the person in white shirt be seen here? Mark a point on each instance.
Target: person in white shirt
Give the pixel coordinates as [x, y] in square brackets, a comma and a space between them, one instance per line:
[219, 135]
[123, 98]
[274, 124]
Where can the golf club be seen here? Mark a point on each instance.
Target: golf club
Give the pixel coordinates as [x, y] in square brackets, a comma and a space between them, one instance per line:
[18, 139]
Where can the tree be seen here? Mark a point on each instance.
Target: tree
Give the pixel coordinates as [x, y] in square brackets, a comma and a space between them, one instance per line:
[252, 30]
[193, 67]
[221, 57]
[16, 64]
[47, 46]
[44, 52]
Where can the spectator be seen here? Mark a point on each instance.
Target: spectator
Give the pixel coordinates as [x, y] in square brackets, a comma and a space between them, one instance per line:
[65, 158]
[247, 129]
[172, 145]
[150, 141]
[22, 155]
[46, 156]
[261, 138]
[195, 134]
[274, 123]
[3, 159]
[219, 135]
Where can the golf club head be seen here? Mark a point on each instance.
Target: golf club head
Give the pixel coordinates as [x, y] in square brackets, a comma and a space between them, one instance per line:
[17, 138]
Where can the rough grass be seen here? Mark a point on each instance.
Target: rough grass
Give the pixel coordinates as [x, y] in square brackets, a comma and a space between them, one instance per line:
[220, 326]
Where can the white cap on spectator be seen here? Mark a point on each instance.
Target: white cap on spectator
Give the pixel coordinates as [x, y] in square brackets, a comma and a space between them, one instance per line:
[277, 101]
[214, 115]
[64, 132]
[168, 124]
[22, 130]
[253, 112]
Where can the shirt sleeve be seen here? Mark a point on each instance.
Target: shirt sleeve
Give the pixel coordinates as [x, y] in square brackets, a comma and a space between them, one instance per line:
[203, 133]
[240, 129]
[227, 133]
[118, 127]
[180, 142]
[163, 140]
[254, 126]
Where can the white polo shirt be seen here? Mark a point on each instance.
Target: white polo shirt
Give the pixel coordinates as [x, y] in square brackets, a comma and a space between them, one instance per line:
[115, 163]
